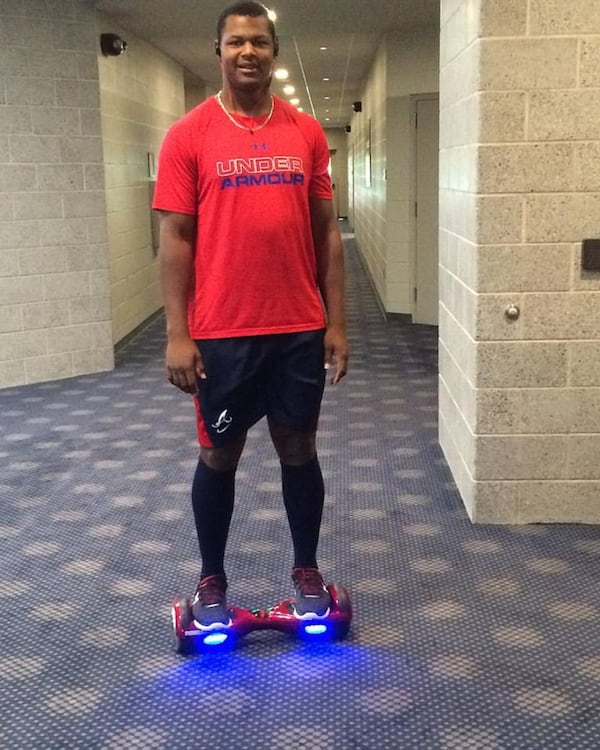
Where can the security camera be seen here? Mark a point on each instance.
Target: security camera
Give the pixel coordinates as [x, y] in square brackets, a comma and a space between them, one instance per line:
[112, 45]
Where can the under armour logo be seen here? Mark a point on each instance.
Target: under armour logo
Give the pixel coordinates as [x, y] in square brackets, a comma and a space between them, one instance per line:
[222, 422]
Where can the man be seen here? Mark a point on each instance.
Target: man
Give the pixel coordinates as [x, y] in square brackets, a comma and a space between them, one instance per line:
[250, 254]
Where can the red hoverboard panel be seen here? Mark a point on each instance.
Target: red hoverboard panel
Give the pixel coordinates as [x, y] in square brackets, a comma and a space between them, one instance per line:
[281, 617]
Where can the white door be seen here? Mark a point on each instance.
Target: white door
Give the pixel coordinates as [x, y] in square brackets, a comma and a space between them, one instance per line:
[427, 220]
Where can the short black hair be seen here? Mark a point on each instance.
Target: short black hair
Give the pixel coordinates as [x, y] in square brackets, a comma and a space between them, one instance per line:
[246, 8]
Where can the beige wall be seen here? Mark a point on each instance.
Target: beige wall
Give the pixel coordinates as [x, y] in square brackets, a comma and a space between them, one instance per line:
[413, 68]
[368, 148]
[519, 190]
[195, 90]
[54, 295]
[382, 214]
[77, 268]
[142, 93]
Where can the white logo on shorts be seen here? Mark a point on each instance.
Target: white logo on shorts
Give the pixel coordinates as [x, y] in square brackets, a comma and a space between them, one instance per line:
[222, 422]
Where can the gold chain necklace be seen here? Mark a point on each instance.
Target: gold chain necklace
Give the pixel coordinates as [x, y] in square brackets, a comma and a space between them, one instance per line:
[239, 124]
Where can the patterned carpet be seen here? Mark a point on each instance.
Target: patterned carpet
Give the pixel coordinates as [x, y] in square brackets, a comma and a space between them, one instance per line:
[464, 638]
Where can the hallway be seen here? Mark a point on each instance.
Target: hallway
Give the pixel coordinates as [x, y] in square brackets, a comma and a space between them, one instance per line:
[465, 637]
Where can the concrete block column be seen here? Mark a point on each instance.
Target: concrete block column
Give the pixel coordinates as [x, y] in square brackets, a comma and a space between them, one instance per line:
[519, 191]
[54, 290]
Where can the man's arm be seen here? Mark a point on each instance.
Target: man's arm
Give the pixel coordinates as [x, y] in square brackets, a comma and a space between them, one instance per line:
[330, 277]
[176, 263]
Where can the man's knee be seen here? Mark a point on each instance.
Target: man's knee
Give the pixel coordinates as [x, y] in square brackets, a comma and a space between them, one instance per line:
[225, 457]
[293, 448]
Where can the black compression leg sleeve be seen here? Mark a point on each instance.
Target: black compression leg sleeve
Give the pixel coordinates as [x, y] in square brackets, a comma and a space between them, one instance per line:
[212, 503]
[303, 497]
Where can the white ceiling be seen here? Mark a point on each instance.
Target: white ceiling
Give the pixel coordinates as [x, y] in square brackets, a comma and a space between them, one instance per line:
[350, 29]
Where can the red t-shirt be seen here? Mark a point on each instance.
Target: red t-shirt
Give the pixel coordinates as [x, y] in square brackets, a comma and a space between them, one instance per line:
[255, 267]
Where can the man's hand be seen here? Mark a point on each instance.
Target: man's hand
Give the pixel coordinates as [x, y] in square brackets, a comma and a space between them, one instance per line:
[336, 350]
[184, 364]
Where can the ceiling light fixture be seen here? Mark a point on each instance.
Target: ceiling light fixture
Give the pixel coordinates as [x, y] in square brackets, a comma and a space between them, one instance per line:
[322, 49]
[289, 90]
[281, 74]
[295, 101]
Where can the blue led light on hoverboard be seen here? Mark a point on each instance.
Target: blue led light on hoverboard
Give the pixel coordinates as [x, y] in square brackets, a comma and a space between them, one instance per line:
[315, 629]
[215, 639]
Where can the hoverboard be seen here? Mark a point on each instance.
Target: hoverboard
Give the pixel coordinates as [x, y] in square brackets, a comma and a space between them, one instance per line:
[191, 637]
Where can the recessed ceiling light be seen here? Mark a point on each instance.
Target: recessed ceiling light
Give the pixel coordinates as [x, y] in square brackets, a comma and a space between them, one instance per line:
[300, 109]
[326, 97]
[271, 15]
[327, 119]
[281, 74]
[289, 90]
[294, 101]
[326, 78]
[322, 49]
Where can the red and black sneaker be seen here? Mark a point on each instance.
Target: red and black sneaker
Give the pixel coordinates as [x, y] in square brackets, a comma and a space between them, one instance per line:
[312, 597]
[209, 605]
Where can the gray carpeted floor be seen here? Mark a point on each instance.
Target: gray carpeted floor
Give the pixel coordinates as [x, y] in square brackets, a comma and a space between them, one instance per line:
[465, 637]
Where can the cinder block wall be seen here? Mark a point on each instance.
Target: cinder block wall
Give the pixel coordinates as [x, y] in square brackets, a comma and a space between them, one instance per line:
[54, 291]
[368, 153]
[141, 94]
[519, 190]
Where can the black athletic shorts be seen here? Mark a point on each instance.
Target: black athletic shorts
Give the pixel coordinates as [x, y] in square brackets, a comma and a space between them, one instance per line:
[249, 377]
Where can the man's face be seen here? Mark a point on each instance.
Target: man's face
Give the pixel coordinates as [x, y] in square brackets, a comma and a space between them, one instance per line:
[247, 52]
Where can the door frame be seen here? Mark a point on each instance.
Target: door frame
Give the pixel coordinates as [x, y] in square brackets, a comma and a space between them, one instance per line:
[414, 100]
